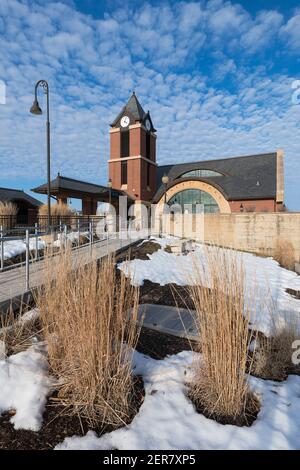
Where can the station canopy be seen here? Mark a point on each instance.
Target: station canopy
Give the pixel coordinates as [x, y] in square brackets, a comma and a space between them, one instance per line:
[62, 187]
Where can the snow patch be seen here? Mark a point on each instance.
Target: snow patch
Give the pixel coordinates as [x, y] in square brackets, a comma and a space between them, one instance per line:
[24, 386]
[168, 420]
[16, 247]
[264, 278]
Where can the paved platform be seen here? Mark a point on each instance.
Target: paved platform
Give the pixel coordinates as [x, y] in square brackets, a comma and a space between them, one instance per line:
[171, 320]
[13, 282]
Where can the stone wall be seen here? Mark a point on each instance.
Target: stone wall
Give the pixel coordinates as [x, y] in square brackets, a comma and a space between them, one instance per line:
[254, 232]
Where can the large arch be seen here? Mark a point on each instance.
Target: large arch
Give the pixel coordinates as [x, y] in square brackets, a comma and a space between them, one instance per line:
[223, 204]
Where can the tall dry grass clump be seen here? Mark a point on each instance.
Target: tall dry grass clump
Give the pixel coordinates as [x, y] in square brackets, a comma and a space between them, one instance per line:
[60, 210]
[8, 213]
[284, 253]
[85, 319]
[220, 388]
[272, 356]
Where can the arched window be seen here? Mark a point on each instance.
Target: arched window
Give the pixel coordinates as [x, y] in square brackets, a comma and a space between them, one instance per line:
[193, 197]
[201, 173]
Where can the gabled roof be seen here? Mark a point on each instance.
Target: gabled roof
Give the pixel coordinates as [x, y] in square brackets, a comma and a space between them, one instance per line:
[62, 184]
[12, 195]
[244, 177]
[134, 109]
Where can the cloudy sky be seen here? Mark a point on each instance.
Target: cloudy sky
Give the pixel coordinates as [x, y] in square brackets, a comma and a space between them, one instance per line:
[217, 76]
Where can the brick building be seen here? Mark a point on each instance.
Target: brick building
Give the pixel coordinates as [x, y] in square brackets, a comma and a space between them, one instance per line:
[249, 183]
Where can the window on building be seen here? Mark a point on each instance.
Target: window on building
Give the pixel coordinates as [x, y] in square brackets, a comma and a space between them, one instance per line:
[148, 145]
[148, 174]
[193, 197]
[125, 143]
[201, 173]
[124, 172]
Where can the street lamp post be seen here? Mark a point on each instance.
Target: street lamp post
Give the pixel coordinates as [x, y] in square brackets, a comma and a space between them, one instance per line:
[165, 181]
[35, 109]
[109, 185]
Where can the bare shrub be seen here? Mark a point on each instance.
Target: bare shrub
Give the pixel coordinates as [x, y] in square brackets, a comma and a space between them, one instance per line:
[8, 213]
[219, 387]
[284, 253]
[85, 318]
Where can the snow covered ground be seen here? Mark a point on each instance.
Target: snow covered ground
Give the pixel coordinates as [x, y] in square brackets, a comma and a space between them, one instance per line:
[16, 247]
[166, 419]
[265, 279]
[24, 386]
[71, 237]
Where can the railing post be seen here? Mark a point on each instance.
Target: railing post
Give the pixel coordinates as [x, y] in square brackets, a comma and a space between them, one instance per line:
[2, 248]
[65, 236]
[92, 230]
[78, 229]
[36, 240]
[91, 237]
[27, 260]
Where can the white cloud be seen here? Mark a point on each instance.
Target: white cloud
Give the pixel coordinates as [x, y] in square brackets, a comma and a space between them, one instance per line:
[175, 56]
[291, 32]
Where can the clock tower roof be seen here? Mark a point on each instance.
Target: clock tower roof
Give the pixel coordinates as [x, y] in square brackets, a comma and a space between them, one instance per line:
[134, 110]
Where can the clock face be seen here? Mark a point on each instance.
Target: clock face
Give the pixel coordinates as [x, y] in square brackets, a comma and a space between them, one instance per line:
[148, 125]
[125, 121]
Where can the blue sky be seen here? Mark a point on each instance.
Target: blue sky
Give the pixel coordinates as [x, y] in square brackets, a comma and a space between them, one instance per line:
[216, 75]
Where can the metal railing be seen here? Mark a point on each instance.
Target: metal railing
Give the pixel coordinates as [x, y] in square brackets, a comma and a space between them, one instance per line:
[60, 237]
[19, 221]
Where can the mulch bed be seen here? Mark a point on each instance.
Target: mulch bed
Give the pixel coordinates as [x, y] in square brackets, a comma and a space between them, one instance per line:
[246, 419]
[56, 426]
[159, 345]
[140, 251]
[151, 292]
[169, 294]
[294, 293]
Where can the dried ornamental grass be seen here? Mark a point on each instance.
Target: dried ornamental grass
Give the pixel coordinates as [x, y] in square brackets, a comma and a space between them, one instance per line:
[222, 317]
[284, 253]
[85, 318]
[8, 213]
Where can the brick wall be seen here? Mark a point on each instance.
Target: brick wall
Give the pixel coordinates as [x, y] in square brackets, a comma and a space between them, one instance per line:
[267, 205]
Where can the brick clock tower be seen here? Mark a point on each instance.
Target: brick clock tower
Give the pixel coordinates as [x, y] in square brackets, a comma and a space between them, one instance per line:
[132, 163]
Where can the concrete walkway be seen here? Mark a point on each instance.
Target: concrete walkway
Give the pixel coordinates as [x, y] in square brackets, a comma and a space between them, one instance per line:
[171, 320]
[13, 282]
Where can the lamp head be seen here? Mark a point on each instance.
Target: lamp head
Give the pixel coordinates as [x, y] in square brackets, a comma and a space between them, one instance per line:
[35, 108]
[165, 179]
[109, 183]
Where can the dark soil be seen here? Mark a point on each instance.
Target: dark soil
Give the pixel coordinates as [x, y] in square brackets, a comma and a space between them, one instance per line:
[159, 345]
[151, 292]
[169, 294]
[140, 251]
[57, 426]
[246, 419]
[293, 293]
